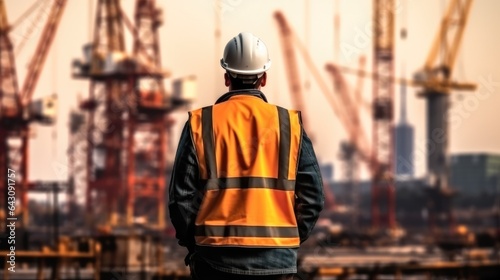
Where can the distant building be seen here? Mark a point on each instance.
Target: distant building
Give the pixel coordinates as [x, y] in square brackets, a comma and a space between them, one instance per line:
[365, 186]
[326, 172]
[404, 142]
[404, 150]
[475, 173]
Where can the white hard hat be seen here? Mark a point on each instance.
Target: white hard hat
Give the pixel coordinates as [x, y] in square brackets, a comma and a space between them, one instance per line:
[245, 54]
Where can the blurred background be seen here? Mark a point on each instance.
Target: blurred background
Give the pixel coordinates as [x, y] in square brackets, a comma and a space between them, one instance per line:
[400, 98]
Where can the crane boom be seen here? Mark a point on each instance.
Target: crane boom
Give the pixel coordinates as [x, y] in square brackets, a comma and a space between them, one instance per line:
[44, 43]
[291, 65]
[4, 24]
[356, 134]
[9, 102]
[465, 86]
[289, 40]
[351, 124]
[441, 40]
[356, 147]
[297, 98]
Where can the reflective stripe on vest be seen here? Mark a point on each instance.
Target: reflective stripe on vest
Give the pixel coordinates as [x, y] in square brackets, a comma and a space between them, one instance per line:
[249, 192]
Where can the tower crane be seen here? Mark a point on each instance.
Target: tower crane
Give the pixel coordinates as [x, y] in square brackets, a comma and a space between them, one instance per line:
[436, 82]
[382, 114]
[146, 127]
[127, 117]
[356, 147]
[288, 40]
[16, 109]
[347, 113]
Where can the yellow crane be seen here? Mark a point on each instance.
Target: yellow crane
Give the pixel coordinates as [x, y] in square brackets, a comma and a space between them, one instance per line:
[436, 81]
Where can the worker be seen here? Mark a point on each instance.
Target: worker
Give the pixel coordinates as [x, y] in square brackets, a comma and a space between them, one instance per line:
[246, 189]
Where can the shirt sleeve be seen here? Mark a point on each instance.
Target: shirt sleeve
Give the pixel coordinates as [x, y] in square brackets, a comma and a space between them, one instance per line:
[184, 194]
[309, 196]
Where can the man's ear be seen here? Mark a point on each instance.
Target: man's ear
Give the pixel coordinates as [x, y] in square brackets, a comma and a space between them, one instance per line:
[263, 80]
[227, 81]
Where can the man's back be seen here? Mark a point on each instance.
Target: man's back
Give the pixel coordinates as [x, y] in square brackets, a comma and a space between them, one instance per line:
[246, 188]
[248, 206]
[246, 130]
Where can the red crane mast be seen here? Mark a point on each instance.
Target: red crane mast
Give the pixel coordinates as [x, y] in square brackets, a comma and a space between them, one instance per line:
[127, 122]
[383, 191]
[15, 116]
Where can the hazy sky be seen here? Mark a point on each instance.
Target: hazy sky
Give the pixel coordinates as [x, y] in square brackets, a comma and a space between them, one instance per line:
[188, 47]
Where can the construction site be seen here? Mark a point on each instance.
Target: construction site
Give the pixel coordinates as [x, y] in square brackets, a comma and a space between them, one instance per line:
[399, 97]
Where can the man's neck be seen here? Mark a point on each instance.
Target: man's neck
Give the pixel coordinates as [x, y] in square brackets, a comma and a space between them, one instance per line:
[230, 93]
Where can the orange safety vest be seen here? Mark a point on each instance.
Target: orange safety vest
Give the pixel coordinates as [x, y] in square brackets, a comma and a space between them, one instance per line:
[247, 152]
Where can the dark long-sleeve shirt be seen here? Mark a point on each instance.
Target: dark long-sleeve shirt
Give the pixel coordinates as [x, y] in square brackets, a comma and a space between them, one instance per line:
[186, 194]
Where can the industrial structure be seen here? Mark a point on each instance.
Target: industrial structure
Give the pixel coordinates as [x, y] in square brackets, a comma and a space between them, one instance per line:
[127, 110]
[17, 110]
[383, 115]
[355, 149]
[436, 81]
[348, 113]
[289, 42]
[127, 124]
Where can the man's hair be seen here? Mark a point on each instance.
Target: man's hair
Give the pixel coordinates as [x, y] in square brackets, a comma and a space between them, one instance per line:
[244, 81]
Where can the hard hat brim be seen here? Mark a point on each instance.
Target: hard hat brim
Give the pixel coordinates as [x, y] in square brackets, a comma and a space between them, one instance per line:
[246, 72]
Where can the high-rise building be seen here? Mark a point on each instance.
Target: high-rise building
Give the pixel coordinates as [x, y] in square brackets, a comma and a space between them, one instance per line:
[404, 140]
[475, 173]
[326, 172]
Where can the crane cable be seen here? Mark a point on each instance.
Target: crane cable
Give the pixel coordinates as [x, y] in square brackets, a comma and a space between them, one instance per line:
[21, 18]
[53, 80]
[25, 36]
